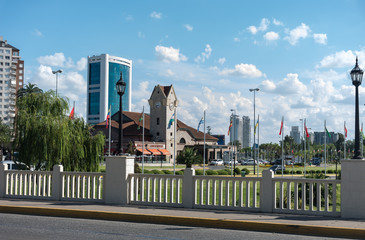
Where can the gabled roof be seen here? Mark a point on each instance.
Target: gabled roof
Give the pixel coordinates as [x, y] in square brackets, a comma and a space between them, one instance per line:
[166, 89]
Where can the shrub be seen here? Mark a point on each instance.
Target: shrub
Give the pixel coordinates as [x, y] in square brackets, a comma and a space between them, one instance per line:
[246, 170]
[299, 172]
[292, 172]
[155, 171]
[335, 171]
[312, 171]
[199, 172]
[237, 171]
[147, 171]
[286, 171]
[137, 169]
[278, 172]
[223, 172]
[330, 171]
[179, 172]
[211, 172]
[318, 171]
[167, 172]
[322, 171]
[228, 170]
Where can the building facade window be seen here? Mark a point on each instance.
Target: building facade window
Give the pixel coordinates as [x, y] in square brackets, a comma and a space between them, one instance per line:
[158, 121]
[114, 75]
[94, 103]
[94, 73]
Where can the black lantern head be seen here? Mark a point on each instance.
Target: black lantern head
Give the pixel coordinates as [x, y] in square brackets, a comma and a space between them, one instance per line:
[356, 74]
[121, 86]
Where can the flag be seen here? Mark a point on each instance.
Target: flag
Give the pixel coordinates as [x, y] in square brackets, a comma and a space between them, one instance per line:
[72, 113]
[281, 127]
[171, 121]
[306, 130]
[257, 124]
[229, 128]
[108, 117]
[140, 119]
[200, 122]
[328, 133]
[344, 126]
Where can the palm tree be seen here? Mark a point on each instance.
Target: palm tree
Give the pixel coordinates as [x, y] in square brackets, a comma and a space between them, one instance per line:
[28, 89]
[188, 156]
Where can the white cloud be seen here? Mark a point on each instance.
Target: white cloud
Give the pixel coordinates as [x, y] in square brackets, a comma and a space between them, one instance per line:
[252, 29]
[169, 54]
[320, 38]
[222, 60]
[243, 70]
[37, 33]
[156, 15]
[289, 85]
[341, 59]
[141, 35]
[277, 22]
[264, 24]
[57, 60]
[188, 27]
[271, 36]
[81, 64]
[204, 55]
[297, 33]
[236, 39]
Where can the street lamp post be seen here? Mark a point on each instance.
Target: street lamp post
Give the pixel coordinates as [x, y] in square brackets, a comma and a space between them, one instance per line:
[356, 76]
[121, 85]
[254, 90]
[57, 72]
[234, 136]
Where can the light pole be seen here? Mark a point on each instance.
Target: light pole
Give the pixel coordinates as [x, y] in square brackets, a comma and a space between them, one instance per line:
[356, 76]
[57, 72]
[120, 90]
[254, 90]
[234, 136]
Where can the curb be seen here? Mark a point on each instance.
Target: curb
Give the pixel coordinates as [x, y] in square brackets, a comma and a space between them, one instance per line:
[322, 231]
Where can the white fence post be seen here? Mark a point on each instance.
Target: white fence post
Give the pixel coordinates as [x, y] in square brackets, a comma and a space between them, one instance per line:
[3, 168]
[188, 196]
[353, 188]
[267, 191]
[57, 182]
[116, 179]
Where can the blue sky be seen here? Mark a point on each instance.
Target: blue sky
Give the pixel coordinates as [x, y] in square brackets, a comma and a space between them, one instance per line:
[298, 53]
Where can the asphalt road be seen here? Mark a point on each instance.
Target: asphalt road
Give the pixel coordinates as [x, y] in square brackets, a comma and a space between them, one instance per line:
[14, 227]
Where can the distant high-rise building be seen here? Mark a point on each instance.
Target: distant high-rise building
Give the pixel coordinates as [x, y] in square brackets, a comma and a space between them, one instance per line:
[320, 137]
[103, 74]
[11, 79]
[236, 130]
[295, 134]
[246, 127]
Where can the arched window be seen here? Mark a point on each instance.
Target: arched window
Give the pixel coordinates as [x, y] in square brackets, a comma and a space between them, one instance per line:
[182, 140]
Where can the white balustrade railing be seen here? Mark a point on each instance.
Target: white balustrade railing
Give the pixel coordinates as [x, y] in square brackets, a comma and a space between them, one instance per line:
[82, 186]
[28, 184]
[153, 189]
[307, 196]
[227, 192]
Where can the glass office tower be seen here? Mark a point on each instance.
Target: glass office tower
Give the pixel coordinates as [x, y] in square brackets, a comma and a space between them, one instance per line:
[103, 74]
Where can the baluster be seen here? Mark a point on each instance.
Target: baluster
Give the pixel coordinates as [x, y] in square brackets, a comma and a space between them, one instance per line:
[201, 191]
[21, 184]
[326, 206]
[227, 193]
[281, 197]
[159, 190]
[234, 191]
[248, 194]
[34, 184]
[334, 204]
[148, 191]
[214, 193]
[16, 184]
[254, 199]
[207, 191]
[288, 195]
[318, 196]
[304, 196]
[311, 196]
[166, 188]
[172, 182]
[153, 189]
[240, 197]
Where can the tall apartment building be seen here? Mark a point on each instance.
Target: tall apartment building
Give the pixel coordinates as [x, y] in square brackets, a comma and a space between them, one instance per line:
[295, 133]
[246, 128]
[320, 137]
[236, 129]
[103, 74]
[11, 79]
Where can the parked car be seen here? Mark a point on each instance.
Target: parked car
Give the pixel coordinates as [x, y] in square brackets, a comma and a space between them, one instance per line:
[276, 168]
[216, 162]
[250, 162]
[13, 166]
[228, 162]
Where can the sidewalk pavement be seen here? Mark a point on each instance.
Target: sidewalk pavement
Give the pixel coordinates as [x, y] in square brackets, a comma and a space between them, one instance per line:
[280, 223]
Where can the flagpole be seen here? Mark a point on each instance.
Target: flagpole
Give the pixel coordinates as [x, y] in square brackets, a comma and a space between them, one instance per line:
[344, 142]
[282, 151]
[175, 141]
[142, 140]
[258, 143]
[204, 148]
[110, 130]
[325, 148]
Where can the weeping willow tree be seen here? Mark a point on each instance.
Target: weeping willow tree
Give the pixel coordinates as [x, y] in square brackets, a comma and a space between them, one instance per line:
[45, 135]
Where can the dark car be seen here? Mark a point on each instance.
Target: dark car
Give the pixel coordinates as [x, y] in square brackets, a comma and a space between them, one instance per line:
[277, 167]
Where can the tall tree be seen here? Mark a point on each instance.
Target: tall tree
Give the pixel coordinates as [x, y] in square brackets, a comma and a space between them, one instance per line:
[5, 136]
[45, 135]
[30, 88]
